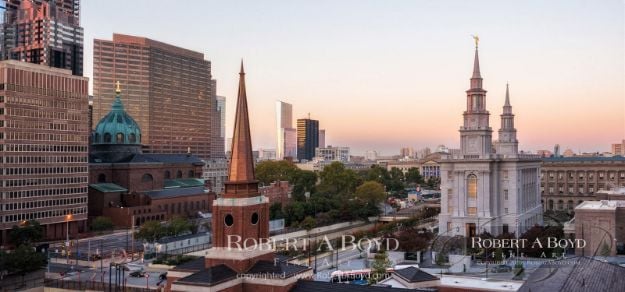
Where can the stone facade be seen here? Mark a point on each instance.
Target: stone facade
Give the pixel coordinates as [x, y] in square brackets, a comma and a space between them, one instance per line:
[484, 188]
[601, 224]
[566, 182]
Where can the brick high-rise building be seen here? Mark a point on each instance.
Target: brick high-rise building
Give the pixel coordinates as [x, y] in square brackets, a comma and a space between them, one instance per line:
[169, 92]
[44, 32]
[43, 148]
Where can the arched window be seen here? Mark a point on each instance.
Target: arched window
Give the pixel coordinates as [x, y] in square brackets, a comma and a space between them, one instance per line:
[550, 207]
[132, 138]
[560, 205]
[167, 174]
[191, 173]
[570, 205]
[179, 174]
[97, 138]
[107, 137]
[101, 178]
[472, 186]
[120, 138]
[147, 178]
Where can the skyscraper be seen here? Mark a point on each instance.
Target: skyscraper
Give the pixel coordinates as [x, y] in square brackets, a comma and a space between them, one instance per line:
[43, 148]
[169, 92]
[44, 32]
[483, 190]
[307, 138]
[221, 108]
[322, 138]
[286, 145]
[217, 115]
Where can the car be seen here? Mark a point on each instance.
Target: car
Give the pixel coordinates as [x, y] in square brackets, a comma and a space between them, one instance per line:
[501, 269]
[138, 274]
[163, 276]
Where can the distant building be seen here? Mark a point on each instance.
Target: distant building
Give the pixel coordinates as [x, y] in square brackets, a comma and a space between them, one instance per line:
[421, 153]
[332, 154]
[544, 153]
[277, 192]
[407, 152]
[568, 181]
[322, 138]
[568, 153]
[286, 140]
[371, 155]
[221, 108]
[44, 32]
[266, 154]
[169, 92]
[619, 148]
[43, 148]
[131, 187]
[218, 115]
[307, 138]
[215, 173]
[320, 165]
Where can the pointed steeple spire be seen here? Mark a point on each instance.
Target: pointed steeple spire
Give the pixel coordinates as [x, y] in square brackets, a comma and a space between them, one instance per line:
[242, 162]
[476, 78]
[507, 108]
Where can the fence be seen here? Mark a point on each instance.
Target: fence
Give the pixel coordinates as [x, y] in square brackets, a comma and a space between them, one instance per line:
[182, 250]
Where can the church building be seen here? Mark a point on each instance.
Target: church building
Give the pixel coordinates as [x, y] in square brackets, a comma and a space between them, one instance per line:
[488, 187]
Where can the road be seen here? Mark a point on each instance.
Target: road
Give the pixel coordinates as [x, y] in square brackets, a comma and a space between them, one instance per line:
[103, 245]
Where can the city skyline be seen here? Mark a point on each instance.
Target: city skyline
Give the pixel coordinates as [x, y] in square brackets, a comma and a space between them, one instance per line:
[411, 61]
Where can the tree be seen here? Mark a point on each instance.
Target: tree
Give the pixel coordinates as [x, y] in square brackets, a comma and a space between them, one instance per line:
[27, 233]
[338, 180]
[151, 231]
[275, 211]
[379, 267]
[371, 191]
[308, 223]
[303, 181]
[178, 225]
[414, 176]
[24, 259]
[101, 223]
[413, 240]
[269, 171]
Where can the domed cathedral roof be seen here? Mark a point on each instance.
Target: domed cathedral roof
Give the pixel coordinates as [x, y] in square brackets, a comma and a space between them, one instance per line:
[117, 137]
[117, 127]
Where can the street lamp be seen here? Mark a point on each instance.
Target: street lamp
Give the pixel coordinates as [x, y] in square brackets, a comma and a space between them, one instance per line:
[68, 217]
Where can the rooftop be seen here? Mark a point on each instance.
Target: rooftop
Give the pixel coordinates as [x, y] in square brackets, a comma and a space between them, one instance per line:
[601, 205]
[166, 158]
[315, 286]
[197, 264]
[176, 192]
[184, 183]
[412, 274]
[461, 282]
[108, 187]
[576, 274]
[584, 159]
[280, 269]
[211, 276]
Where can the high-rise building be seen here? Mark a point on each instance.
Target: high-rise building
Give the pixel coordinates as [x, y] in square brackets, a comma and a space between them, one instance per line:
[45, 32]
[322, 138]
[286, 145]
[307, 138]
[43, 148]
[332, 154]
[406, 152]
[218, 115]
[221, 108]
[169, 92]
[619, 148]
[483, 190]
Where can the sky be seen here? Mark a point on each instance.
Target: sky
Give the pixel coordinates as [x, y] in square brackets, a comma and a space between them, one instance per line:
[381, 75]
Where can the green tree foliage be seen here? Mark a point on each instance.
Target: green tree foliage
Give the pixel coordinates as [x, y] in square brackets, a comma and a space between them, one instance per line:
[302, 180]
[396, 183]
[27, 233]
[376, 173]
[378, 267]
[337, 180]
[308, 223]
[178, 226]
[413, 176]
[371, 191]
[275, 211]
[101, 223]
[151, 231]
[24, 259]
[433, 183]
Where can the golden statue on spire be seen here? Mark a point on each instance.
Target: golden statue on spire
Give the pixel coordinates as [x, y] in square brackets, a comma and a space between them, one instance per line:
[118, 87]
[476, 39]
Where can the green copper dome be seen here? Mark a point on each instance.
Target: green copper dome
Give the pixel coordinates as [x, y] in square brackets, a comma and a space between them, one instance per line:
[117, 127]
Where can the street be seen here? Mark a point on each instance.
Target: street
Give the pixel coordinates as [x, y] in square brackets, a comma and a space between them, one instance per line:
[102, 245]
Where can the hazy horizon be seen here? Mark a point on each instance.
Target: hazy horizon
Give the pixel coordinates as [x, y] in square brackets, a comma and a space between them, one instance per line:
[380, 76]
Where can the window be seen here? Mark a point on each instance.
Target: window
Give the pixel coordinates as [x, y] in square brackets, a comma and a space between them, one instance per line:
[97, 138]
[107, 138]
[167, 174]
[147, 178]
[505, 194]
[179, 174]
[472, 187]
[505, 210]
[472, 210]
[120, 138]
[505, 174]
[229, 220]
[191, 173]
[505, 228]
[132, 138]
[254, 218]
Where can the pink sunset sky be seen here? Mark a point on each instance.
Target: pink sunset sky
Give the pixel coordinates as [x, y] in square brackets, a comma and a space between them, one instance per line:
[381, 76]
